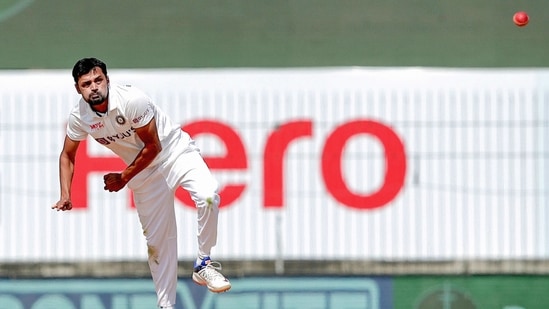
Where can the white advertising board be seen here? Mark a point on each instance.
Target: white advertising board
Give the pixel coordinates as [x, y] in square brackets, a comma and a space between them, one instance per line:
[333, 163]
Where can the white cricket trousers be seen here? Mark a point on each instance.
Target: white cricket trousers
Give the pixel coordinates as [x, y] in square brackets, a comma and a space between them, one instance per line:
[153, 191]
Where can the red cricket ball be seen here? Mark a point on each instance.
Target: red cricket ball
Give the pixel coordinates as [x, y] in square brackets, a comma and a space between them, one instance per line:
[520, 19]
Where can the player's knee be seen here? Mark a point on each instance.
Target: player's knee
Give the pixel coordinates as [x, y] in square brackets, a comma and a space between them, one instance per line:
[206, 195]
[212, 200]
[209, 199]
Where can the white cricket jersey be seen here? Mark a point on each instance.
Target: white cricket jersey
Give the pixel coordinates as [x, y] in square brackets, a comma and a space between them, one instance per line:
[129, 108]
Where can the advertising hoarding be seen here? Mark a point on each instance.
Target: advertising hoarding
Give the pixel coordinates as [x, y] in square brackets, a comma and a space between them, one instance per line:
[335, 163]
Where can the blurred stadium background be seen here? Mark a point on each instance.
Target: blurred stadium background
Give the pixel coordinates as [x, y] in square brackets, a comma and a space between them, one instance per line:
[460, 85]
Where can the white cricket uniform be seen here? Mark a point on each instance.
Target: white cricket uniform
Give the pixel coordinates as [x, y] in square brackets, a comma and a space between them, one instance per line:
[178, 164]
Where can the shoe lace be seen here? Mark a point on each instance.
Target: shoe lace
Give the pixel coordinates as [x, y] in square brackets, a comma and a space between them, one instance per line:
[211, 271]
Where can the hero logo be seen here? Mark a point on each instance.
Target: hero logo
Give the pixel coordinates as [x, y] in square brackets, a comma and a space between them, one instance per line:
[278, 141]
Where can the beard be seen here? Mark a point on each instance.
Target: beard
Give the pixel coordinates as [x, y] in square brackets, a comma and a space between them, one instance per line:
[96, 99]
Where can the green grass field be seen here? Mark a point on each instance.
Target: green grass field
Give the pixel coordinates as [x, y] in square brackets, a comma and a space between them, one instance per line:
[261, 33]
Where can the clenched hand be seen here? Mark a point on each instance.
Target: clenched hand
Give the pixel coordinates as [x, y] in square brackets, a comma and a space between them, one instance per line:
[113, 182]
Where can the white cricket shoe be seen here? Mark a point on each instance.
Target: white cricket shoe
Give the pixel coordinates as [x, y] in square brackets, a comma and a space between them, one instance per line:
[207, 273]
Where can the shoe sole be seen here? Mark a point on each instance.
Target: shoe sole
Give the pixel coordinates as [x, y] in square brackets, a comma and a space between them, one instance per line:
[199, 281]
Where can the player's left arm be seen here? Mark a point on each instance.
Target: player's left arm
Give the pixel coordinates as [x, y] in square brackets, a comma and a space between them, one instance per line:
[149, 135]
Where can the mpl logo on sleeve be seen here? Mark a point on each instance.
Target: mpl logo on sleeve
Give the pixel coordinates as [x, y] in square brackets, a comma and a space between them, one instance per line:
[9, 8]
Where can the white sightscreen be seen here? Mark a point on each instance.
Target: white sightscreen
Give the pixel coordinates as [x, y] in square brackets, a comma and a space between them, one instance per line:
[474, 147]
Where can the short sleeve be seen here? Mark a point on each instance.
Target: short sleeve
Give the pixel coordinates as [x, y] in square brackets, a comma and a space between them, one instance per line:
[140, 110]
[74, 129]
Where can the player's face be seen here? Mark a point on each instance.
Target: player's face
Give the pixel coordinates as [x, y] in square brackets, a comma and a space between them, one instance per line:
[93, 86]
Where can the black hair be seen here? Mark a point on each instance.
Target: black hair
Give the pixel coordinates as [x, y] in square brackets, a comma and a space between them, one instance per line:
[85, 65]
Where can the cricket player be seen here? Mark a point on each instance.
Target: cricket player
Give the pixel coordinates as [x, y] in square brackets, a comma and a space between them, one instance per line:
[159, 157]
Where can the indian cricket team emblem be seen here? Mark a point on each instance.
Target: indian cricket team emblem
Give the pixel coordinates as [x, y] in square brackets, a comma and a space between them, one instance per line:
[120, 120]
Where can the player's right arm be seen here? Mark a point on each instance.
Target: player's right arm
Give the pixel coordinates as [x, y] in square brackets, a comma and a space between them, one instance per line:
[66, 171]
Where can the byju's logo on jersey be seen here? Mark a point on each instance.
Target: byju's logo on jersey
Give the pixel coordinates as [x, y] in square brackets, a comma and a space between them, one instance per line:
[9, 8]
[113, 138]
[103, 141]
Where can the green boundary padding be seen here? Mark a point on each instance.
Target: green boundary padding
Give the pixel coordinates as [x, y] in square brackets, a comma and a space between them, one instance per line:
[471, 292]
[260, 33]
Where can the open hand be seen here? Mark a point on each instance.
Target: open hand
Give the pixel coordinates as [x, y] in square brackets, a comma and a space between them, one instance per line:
[63, 204]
